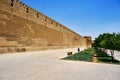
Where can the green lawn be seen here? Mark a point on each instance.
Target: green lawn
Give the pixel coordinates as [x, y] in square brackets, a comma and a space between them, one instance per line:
[85, 55]
[105, 58]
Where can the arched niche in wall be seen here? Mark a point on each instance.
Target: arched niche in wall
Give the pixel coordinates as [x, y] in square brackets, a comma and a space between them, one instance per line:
[11, 2]
[27, 10]
[37, 15]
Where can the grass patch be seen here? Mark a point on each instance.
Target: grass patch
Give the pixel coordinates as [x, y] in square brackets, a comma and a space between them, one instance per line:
[105, 58]
[85, 55]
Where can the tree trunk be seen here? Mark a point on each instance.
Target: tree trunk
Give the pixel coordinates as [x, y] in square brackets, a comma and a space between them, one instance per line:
[112, 54]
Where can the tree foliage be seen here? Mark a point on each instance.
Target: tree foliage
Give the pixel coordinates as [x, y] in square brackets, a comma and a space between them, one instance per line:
[108, 41]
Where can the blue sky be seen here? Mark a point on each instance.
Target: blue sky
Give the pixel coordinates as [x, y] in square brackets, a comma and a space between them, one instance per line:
[86, 17]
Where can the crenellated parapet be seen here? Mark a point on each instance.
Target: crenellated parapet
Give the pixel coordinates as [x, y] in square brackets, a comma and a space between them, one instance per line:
[20, 9]
[19, 19]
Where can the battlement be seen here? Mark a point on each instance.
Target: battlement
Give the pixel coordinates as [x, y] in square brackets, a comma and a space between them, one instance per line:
[20, 9]
[29, 27]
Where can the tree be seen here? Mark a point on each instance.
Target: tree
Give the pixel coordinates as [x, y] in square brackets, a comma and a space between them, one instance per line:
[108, 41]
[118, 41]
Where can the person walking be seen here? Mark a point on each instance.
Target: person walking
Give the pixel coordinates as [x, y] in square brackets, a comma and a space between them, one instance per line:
[78, 49]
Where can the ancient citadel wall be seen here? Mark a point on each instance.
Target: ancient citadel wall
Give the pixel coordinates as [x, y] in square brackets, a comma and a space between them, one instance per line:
[28, 27]
[89, 41]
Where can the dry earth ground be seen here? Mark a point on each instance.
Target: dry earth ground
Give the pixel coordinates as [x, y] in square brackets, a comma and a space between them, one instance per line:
[46, 65]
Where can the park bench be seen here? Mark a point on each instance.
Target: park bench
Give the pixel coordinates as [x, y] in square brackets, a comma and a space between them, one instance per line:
[69, 53]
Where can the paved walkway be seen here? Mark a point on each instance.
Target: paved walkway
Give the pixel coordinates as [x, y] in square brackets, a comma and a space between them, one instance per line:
[45, 65]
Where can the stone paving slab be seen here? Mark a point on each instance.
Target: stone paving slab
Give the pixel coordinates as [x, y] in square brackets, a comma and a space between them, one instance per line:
[45, 65]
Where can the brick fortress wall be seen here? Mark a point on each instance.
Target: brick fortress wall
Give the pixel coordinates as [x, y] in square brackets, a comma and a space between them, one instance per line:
[24, 27]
